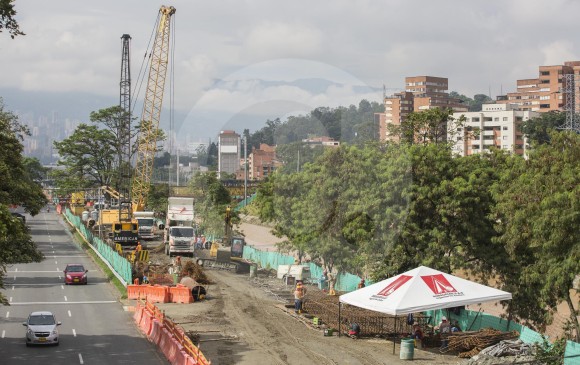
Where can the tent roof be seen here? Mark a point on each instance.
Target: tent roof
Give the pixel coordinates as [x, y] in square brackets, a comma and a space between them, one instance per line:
[419, 290]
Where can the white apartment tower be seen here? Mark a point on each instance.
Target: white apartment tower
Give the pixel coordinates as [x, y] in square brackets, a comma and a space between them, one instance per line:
[496, 125]
[229, 146]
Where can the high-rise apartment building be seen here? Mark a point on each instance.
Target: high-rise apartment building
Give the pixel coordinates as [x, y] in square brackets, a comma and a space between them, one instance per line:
[496, 125]
[421, 92]
[544, 93]
[229, 145]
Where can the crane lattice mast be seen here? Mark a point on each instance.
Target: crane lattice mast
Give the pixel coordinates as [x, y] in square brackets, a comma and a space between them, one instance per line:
[147, 140]
[124, 132]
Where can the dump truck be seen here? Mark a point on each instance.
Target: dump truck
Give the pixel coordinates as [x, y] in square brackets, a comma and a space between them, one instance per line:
[148, 226]
[179, 237]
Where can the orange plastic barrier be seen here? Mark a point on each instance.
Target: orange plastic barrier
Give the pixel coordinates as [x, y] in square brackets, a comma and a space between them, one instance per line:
[146, 321]
[133, 291]
[158, 294]
[169, 338]
[180, 294]
[138, 313]
[156, 327]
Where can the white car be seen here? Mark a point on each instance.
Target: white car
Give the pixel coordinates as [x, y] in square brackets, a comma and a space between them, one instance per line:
[41, 329]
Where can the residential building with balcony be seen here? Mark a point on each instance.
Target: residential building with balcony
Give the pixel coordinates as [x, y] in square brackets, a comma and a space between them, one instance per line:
[262, 162]
[496, 125]
[421, 93]
[544, 93]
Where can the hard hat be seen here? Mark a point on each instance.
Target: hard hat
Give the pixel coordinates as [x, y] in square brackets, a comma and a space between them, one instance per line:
[443, 318]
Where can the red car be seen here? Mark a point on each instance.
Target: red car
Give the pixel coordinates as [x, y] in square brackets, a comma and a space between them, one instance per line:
[75, 274]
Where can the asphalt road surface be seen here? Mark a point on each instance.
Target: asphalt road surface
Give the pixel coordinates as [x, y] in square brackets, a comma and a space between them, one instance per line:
[95, 329]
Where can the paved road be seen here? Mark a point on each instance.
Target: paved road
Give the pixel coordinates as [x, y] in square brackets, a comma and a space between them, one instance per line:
[95, 327]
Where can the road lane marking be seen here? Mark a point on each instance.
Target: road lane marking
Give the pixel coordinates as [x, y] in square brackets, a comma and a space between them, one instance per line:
[10, 300]
[66, 300]
[16, 270]
[7, 314]
[85, 302]
[62, 287]
[14, 277]
[81, 359]
[35, 284]
[56, 262]
[34, 271]
[57, 269]
[69, 314]
[12, 287]
[74, 333]
[3, 333]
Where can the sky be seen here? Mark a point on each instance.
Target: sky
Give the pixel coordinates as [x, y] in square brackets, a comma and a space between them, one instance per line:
[238, 63]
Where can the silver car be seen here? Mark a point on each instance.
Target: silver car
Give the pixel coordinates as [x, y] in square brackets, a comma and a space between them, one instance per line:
[41, 329]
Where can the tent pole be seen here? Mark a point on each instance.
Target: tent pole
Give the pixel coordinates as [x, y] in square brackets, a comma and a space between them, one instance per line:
[394, 334]
[339, 318]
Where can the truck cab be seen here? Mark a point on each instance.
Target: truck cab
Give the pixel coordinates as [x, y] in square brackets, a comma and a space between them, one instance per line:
[180, 241]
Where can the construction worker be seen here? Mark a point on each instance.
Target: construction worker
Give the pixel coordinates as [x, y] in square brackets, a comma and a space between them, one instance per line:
[138, 248]
[331, 282]
[299, 293]
[361, 284]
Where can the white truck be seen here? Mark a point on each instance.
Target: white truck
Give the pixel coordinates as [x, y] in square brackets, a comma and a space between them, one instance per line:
[147, 225]
[179, 233]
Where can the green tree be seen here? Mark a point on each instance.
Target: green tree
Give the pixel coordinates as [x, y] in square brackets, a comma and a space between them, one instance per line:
[538, 129]
[537, 215]
[210, 201]
[427, 126]
[34, 168]
[17, 187]
[88, 157]
[7, 21]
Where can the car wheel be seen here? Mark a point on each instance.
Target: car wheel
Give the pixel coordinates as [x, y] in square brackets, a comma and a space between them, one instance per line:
[27, 344]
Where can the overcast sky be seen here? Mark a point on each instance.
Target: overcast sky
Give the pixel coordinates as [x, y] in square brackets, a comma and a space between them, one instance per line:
[233, 57]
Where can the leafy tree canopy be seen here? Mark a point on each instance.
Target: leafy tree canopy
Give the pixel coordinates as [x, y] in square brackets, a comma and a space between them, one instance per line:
[7, 18]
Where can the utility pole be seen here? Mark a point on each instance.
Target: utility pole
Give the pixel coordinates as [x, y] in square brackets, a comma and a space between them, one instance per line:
[245, 169]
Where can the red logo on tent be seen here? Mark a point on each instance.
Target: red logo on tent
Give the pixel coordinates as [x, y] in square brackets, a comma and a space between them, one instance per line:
[438, 284]
[396, 284]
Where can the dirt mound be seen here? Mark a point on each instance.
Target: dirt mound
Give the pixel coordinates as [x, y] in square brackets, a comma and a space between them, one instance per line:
[194, 271]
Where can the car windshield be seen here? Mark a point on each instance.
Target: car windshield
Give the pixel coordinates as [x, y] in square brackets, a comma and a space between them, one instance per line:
[182, 232]
[41, 320]
[75, 269]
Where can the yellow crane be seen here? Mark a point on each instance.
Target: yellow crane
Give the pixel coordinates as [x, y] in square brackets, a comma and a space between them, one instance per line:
[147, 139]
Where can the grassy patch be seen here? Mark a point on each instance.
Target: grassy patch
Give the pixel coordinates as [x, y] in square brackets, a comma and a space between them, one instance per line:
[108, 273]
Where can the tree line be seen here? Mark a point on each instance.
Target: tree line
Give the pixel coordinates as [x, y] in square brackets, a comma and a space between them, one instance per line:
[379, 209]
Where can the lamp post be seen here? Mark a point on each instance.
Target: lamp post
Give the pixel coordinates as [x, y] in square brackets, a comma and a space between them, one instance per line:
[245, 169]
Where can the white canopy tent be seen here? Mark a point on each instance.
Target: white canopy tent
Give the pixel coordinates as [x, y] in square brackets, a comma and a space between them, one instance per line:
[419, 290]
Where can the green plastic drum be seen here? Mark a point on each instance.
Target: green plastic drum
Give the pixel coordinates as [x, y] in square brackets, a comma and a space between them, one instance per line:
[407, 349]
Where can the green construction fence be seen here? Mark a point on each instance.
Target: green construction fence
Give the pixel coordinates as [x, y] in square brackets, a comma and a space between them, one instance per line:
[115, 261]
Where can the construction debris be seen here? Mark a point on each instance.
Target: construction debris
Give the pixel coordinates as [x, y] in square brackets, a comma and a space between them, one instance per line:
[509, 348]
[469, 344]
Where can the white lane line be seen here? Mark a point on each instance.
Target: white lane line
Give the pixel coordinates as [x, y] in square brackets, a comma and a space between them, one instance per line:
[57, 269]
[7, 314]
[86, 302]
[10, 300]
[81, 359]
[3, 333]
[32, 272]
[69, 314]
[16, 270]
[14, 277]
[12, 287]
[52, 251]
[60, 277]
[74, 333]
[56, 262]
[66, 300]
[34, 284]
[62, 287]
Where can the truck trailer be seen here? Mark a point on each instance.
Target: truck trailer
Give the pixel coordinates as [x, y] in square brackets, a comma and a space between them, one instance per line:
[179, 235]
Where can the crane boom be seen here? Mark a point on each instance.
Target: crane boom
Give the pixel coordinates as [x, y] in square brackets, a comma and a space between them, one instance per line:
[147, 140]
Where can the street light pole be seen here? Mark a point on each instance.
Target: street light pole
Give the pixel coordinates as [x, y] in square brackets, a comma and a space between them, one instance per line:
[245, 169]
